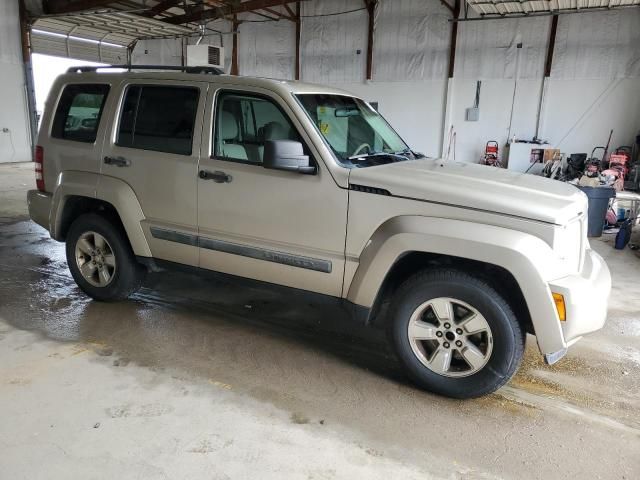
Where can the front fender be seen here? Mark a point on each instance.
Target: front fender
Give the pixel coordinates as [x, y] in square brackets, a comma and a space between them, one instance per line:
[526, 257]
[113, 191]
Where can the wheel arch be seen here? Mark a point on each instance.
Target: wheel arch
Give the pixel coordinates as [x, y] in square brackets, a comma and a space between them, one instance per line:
[83, 192]
[412, 262]
[75, 205]
[405, 244]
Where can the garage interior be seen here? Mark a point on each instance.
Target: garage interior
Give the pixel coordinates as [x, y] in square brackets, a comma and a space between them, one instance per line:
[202, 379]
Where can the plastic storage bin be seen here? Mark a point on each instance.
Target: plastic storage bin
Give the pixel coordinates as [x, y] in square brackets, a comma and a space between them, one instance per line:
[598, 204]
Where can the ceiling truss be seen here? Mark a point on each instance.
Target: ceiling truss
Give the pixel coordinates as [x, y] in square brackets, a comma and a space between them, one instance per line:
[178, 12]
[191, 13]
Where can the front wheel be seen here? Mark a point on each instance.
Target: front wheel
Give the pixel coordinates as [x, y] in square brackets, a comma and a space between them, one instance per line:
[101, 260]
[455, 334]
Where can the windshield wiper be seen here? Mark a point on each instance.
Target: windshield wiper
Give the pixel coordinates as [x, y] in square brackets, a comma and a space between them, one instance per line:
[376, 154]
[408, 151]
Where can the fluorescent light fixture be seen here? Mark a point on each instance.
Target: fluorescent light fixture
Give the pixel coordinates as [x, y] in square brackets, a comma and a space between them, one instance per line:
[78, 39]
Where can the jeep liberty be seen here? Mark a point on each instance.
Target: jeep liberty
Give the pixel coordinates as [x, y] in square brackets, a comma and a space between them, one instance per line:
[307, 187]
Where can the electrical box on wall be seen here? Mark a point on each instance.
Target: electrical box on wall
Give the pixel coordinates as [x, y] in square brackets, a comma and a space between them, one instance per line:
[205, 56]
[472, 114]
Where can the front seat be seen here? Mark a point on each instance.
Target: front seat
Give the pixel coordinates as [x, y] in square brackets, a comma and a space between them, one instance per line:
[229, 147]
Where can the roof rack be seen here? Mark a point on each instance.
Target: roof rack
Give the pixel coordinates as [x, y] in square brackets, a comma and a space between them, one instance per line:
[185, 69]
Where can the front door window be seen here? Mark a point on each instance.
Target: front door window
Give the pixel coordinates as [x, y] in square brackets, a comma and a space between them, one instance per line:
[244, 122]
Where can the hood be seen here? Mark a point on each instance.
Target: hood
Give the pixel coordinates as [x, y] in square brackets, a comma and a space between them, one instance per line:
[478, 187]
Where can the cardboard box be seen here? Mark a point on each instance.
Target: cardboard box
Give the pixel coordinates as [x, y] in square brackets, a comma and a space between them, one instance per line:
[551, 154]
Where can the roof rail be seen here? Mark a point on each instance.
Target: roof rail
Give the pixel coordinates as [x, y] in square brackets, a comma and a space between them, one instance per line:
[185, 69]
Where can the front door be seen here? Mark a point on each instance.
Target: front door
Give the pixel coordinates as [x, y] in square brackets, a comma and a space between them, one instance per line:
[276, 226]
[154, 147]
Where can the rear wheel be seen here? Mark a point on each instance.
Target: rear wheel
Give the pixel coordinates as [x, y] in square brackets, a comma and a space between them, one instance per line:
[101, 260]
[455, 334]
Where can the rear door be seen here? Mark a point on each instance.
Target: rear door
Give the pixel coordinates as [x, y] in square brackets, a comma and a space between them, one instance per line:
[154, 148]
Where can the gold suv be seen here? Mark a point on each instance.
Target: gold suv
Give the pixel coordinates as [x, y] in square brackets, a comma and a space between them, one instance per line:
[308, 187]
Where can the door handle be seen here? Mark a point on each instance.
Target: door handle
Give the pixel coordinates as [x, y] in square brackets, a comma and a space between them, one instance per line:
[117, 161]
[217, 176]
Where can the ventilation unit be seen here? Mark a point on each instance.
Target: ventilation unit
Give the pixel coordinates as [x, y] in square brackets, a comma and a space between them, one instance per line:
[205, 56]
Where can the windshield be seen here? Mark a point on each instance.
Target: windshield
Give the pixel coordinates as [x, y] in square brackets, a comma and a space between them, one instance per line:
[357, 134]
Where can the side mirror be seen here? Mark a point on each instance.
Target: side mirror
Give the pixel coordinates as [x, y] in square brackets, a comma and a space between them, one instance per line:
[287, 155]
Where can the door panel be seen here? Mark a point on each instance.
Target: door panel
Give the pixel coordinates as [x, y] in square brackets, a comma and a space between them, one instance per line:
[154, 147]
[281, 227]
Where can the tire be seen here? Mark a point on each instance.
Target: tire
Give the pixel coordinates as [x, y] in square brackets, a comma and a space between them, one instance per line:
[112, 273]
[455, 361]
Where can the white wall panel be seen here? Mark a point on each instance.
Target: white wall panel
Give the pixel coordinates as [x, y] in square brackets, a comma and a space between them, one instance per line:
[330, 44]
[496, 100]
[598, 45]
[411, 41]
[488, 49]
[580, 114]
[15, 142]
[267, 49]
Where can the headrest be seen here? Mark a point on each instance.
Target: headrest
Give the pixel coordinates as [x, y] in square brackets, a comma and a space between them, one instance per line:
[228, 126]
[275, 131]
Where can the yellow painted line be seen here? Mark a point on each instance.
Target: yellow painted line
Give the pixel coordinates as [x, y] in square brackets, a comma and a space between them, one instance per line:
[79, 350]
[226, 386]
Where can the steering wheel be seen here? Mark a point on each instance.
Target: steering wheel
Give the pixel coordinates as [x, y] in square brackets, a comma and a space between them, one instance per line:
[360, 148]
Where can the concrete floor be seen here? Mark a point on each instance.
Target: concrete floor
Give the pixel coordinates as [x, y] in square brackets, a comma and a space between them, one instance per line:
[195, 379]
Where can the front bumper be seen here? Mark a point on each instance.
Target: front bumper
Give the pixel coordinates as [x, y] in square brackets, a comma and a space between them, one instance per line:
[39, 207]
[586, 296]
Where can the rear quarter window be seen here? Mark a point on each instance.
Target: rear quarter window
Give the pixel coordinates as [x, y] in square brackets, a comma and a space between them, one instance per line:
[79, 110]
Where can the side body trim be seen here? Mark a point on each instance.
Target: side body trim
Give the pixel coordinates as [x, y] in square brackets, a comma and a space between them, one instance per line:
[308, 263]
[173, 236]
[325, 306]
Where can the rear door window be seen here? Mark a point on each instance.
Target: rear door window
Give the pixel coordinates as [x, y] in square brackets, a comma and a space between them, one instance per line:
[79, 110]
[159, 118]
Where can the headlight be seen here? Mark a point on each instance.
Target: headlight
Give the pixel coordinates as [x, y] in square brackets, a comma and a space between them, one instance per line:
[568, 245]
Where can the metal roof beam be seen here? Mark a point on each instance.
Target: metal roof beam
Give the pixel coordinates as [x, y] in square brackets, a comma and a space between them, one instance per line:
[228, 10]
[448, 5]
[278, 14]
[66, 6]
[161, 7]
[290, 12]
[541, 13]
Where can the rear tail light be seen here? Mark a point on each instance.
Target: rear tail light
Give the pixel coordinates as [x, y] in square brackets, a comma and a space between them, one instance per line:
[39, 160]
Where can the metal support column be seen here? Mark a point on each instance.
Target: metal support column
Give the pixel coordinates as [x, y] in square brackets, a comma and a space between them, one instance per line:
[298, 27]
[448, 92]
[371, 11]
[234, 52]
[547, 73]
[28, 73]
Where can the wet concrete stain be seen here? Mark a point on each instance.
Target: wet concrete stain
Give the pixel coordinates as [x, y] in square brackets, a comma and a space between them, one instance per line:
[253, 344]
[299, 419]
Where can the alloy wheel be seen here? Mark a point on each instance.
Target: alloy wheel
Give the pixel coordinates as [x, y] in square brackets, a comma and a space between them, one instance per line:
[450, 337]
[95, 259]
